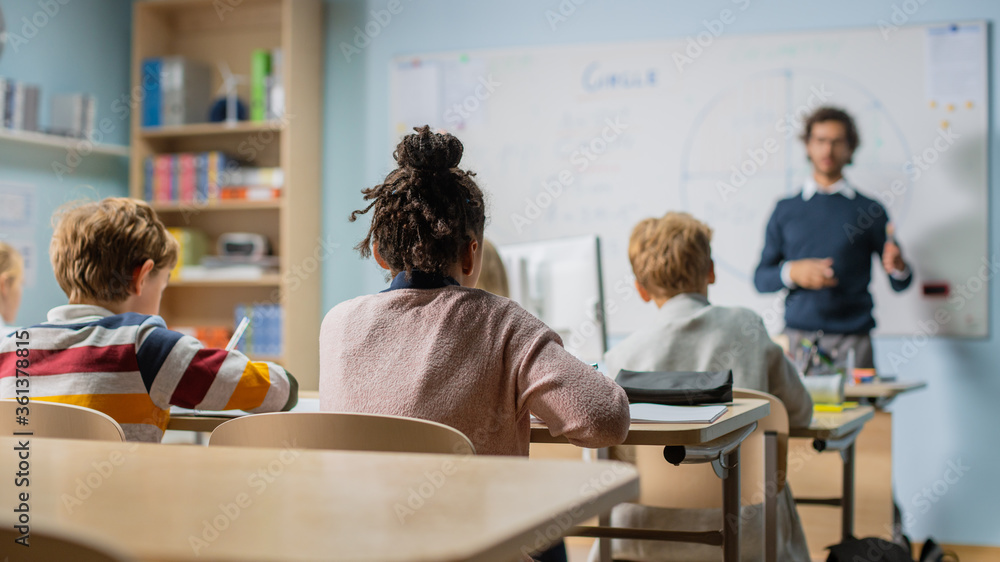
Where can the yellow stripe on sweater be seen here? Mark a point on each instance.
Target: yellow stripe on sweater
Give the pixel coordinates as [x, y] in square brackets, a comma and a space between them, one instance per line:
[124, 408]
[252, 388]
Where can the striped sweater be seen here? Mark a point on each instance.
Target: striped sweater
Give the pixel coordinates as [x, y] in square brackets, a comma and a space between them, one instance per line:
[131, 367]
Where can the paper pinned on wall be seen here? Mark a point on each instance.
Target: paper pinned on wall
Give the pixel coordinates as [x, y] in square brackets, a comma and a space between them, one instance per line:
[17, 208]
[18, 204]
[27, 250]
[420, 102]
[956, 64]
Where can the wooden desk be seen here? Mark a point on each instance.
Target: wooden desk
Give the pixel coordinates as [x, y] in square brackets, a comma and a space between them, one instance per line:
[833, 432]
[160, 502]
[879, 394]
[726, 433]
[820, 475]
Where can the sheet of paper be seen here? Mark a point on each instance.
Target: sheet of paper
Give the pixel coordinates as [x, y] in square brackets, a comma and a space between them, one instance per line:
[659, 413]
[956, 64]
[18, 203]
[304, 405]
[418, 97]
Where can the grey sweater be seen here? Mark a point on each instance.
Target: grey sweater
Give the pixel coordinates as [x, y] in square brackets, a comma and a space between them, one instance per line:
[689, 334]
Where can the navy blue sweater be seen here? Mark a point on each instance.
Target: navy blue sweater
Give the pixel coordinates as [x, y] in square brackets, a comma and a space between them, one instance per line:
[827, 225]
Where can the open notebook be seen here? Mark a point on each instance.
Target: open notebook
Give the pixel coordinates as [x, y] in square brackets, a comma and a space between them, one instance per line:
[659, 413]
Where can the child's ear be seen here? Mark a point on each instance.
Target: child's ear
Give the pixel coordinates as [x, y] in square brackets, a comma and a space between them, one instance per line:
[378, 257]
[643, 293]
[140, 276]
[711, 272]
[469, 258]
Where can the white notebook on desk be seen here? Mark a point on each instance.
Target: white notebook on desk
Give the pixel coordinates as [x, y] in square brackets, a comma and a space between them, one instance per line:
[304, 405]
[659, 413]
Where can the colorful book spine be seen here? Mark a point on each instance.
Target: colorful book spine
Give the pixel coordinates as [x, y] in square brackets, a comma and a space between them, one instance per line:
[162, 187]
[175, 177]
[187, 179]
[201, 177]
[149, 168]
[260, 68]
[152, 112]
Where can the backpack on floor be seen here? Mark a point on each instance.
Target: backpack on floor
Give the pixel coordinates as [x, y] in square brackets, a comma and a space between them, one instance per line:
[871, 549]
[874, 549]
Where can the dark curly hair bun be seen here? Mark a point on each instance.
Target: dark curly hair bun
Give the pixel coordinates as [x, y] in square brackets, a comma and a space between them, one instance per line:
[427, 210]
[427, 150]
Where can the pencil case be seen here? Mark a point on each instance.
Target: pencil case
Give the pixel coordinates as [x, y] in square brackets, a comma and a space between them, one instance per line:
[677, 388]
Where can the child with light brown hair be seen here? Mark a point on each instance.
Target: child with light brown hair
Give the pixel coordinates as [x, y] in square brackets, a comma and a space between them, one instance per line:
[11, 285]
[671, 257]
[109, 350]
[493, 278]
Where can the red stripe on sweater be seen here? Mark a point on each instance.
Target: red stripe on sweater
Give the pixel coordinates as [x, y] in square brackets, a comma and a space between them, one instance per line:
[83, 359]
[198, 377]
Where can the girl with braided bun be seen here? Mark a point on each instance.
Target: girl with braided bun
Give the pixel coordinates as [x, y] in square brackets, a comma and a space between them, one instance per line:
[432, 346]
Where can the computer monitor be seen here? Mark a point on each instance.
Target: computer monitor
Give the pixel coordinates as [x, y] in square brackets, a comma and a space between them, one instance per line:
[559, 281]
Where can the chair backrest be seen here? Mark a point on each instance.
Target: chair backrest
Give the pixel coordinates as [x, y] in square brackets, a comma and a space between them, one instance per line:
[47, 543]
[342, 431]
[776, 422]
[53, 419]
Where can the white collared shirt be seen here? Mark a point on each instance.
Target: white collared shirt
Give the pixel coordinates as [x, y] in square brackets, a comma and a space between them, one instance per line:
[810, 188]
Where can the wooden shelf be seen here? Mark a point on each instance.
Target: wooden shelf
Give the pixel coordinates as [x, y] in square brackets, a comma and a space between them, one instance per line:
[270, 280]
[215, 206]
[67, 143]
[206, 129]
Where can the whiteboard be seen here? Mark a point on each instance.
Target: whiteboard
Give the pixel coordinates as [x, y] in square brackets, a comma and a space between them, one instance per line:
[590, 139]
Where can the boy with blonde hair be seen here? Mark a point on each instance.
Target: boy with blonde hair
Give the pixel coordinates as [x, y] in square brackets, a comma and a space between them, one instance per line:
[672, 260]
[109, 349]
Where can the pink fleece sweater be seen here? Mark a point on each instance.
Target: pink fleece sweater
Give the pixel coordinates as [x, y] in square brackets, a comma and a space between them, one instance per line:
[468, 359]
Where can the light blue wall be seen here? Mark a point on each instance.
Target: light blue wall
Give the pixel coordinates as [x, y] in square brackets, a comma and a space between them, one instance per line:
[954, 420]
[84, 47]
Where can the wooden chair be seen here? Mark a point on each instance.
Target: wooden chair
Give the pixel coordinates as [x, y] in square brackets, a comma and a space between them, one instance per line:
[51, 544]
[65, 421]
[696, 487]
[342, 431]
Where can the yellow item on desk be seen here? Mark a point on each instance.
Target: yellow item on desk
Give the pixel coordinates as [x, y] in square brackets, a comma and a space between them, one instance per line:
[834, 407]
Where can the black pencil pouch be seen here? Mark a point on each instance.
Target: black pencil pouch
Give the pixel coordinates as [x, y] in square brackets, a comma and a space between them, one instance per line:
[677, 388]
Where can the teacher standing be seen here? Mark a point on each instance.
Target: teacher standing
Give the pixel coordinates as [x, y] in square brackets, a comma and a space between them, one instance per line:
[819, 245]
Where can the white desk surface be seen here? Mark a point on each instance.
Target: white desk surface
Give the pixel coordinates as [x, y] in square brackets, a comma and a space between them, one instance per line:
[742, 412]
[154, 501]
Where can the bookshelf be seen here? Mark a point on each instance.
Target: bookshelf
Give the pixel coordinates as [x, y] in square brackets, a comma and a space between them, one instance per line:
[197, 30]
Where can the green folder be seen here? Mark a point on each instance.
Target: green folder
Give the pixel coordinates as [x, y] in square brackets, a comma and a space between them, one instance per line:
[260, 68]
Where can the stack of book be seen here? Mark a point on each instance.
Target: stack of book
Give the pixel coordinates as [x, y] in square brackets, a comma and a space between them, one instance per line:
[73, 115]
[263, 335]
[210, 336]
[177, 91]
[192, 246]
[252, 184]
[186, 177]
[202, 177]
[19, 105]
